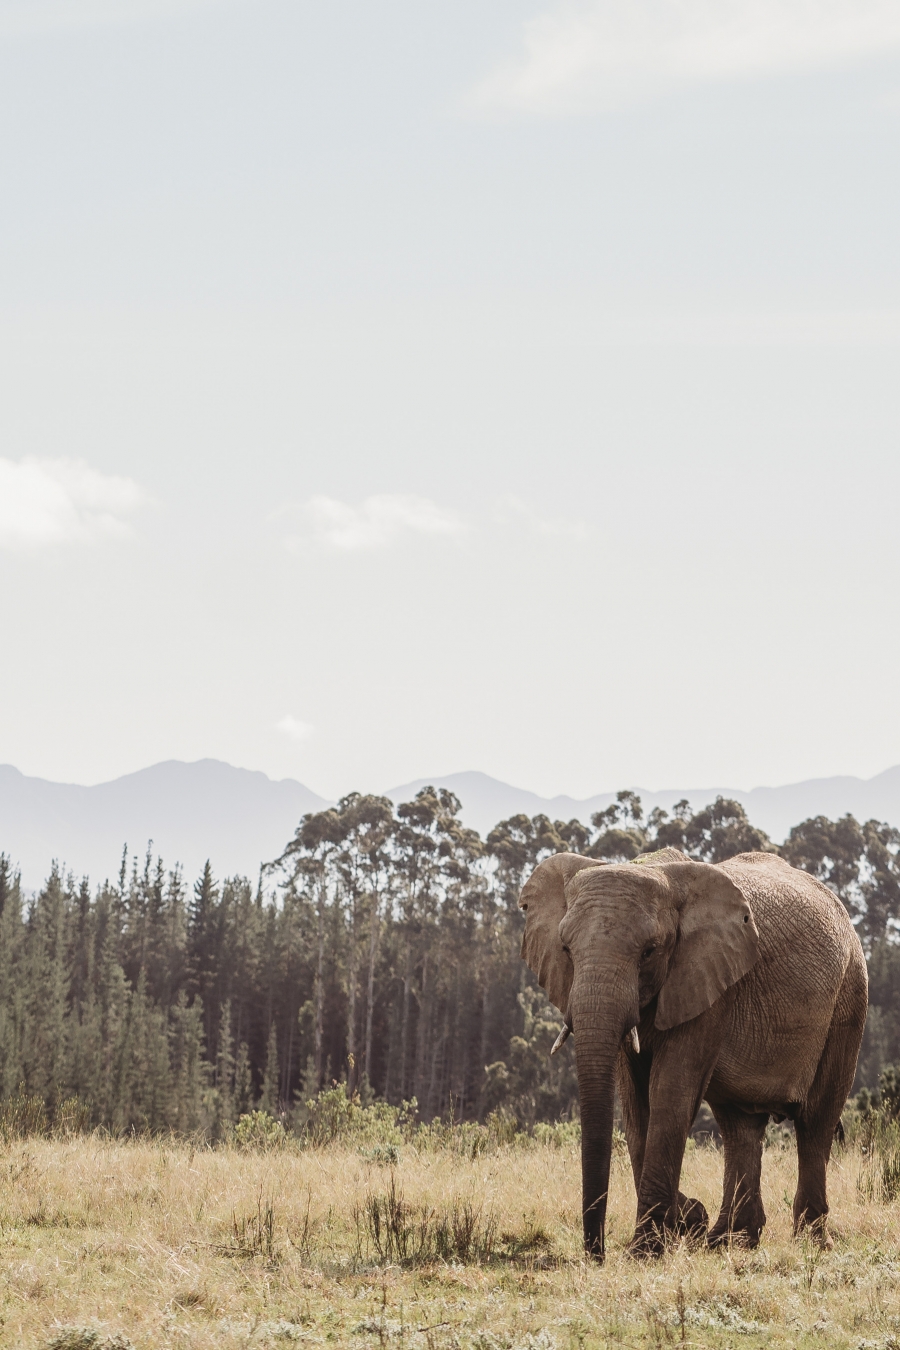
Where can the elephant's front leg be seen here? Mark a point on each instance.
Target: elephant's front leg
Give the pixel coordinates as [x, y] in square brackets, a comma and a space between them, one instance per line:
[676, 1089]
[633, 1083]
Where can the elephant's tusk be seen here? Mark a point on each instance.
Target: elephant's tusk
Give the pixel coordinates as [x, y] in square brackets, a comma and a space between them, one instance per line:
[635, 1040]
[561, 1038]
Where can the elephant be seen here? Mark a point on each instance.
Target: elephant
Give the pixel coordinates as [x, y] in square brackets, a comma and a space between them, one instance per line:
[742, 984]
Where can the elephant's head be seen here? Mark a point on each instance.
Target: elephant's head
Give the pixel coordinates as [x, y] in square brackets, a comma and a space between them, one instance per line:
[605, 941]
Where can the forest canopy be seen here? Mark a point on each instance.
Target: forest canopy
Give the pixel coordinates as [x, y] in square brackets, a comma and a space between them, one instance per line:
[379, 951]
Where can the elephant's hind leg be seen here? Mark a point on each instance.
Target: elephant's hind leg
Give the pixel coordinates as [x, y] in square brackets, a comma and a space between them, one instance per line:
[633, 1083]
[821, 1113]
[811, 1200]
[742, 1216]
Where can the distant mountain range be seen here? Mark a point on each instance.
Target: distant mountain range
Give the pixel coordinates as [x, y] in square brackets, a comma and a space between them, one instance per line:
[234, 817]
[239, 819]
[486, 800]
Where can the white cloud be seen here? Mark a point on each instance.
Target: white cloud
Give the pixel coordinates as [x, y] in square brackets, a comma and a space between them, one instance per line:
[60, 501]
[375, 522]
[581, 54]
[294, 729]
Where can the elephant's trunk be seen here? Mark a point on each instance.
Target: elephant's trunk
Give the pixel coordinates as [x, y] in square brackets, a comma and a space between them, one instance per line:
[600, 1019]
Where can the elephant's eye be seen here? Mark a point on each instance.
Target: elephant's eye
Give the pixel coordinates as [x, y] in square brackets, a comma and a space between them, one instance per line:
[648, 951]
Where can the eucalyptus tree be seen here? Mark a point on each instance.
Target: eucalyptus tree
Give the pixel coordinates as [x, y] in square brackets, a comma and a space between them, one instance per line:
[305, 866]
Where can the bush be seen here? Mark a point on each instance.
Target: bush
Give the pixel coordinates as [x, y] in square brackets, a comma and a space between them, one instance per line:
[560, 1135]
[386, 1155]
[872, 1121]
[502, 1127]
[333, 1116]
[71, 1117]
[23, 1116]
[88, 1338]
[464, 1138]
[501, 1130]
[259, 1130]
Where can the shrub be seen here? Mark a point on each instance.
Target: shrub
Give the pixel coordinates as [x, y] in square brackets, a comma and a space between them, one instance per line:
[23, 1116]
[259, 1130]
[88, 1338]
[387, 1155]
[71, 1117]
[333, 1116]
[560, 1135]
[872, 1122]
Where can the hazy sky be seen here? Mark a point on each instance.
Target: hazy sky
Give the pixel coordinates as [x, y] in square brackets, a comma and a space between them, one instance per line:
[394, 389]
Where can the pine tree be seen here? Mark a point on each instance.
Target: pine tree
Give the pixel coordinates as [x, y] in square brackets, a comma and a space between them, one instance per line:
[269, 1100]
[12, 980]
[223, 1114]
[190, 1070]
[203, 950]
[48, 987]
[243, 1082]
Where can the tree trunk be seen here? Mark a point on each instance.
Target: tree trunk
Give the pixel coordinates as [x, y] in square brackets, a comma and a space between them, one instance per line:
[422, 1036]
[352, 1068]
[370, 991]
[485, 1042]
[404, 1035]
[391, 1060]
[320, 987]
[454, 1081]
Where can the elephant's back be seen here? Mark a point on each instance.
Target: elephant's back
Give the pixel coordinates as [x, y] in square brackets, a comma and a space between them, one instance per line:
[790, 999]
[795, 914]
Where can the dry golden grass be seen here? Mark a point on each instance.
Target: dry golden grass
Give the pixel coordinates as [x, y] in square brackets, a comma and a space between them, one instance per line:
[179, 1247]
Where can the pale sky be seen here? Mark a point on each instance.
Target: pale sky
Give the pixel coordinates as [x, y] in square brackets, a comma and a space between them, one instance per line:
[391, 390]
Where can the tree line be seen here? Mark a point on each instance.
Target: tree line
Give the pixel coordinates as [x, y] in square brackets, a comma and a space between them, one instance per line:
[380, 950]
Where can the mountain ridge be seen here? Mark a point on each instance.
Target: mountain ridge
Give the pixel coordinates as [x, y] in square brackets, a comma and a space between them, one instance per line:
[238, 818]
[773, 809]
[241, 818]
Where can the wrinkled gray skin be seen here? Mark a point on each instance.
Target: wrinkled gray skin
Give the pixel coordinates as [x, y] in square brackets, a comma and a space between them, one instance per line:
[747, 985]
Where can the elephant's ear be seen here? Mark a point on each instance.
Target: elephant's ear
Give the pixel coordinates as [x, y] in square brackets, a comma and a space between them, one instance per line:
[717, 942]
[543, 899]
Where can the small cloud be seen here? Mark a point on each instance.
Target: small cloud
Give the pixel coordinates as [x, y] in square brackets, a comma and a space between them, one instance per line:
[583, 54]
[61, 501]
[375, 523]
[513, 511]
[294, 729]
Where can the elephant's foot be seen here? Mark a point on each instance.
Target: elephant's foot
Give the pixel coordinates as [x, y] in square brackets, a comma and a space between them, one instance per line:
[814, 1230]
[649, 1241]
[742, 1229]
[747, 1238]
[693, 1219]
[658, 1230]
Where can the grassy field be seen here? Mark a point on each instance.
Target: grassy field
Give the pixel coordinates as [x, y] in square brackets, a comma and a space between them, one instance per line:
[155, 1244]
